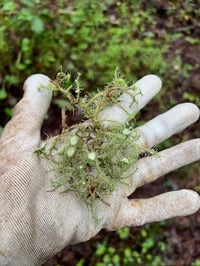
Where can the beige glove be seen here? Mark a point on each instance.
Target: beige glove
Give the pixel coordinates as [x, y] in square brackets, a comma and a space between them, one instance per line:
[36, 222]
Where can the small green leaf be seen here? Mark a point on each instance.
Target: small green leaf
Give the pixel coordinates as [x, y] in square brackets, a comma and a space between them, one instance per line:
[101, 249]
[127, 252]
[3, 94]
[9, 111]
[12, 79]
[143, 233]
[1, 129]
[9, 6]
[37, 25]
[111, 250]
[116, 259]
[25, 44]
[124, 232]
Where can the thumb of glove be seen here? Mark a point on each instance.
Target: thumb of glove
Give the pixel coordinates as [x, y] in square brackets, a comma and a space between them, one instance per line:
[22, 132]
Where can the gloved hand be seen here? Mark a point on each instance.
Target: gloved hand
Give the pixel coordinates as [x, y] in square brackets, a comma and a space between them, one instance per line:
[36, 222]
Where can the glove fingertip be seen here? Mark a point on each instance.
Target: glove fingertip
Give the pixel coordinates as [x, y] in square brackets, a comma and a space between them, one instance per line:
[38, 93]
[151, 80]
[193, 200]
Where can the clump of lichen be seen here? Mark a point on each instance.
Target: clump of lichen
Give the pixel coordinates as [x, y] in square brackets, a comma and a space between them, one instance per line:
[89, 158]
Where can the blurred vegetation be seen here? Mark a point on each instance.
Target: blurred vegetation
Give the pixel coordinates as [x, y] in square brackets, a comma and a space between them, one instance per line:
[94, 38]
[148, 249]
[90, 37]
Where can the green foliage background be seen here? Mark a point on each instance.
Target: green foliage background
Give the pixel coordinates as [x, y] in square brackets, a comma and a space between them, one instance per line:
[94, 38]
[90, 37]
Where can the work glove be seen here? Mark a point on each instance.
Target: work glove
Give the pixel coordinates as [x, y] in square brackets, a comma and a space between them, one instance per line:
[37, 221]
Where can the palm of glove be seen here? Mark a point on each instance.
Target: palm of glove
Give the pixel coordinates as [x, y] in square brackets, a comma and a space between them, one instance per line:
[37, 222]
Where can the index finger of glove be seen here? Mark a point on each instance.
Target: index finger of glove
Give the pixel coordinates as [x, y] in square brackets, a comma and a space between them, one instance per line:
[131, 103]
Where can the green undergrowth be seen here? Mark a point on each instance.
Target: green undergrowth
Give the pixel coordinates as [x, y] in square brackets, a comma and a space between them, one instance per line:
[90, 158]
[90, 36]
[125, 248]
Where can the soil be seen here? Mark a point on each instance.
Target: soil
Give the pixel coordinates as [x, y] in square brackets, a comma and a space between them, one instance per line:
[183, 234]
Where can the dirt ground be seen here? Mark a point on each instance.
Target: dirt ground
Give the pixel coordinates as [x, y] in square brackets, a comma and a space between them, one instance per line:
[182, 233]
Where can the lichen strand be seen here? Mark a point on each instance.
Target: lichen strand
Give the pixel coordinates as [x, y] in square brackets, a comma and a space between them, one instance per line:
[93, 158]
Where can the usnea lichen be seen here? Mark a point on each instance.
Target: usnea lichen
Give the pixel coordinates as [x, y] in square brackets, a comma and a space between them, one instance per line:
[89, 158]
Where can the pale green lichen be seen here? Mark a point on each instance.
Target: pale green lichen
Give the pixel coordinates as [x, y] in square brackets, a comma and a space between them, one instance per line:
[93, 158]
